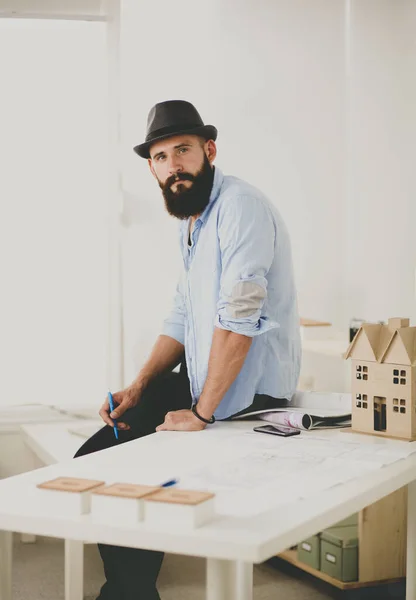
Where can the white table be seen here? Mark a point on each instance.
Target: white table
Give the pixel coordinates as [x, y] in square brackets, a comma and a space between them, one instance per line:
[230, 543]
[49, 443]
[56, 442]
[12, 450]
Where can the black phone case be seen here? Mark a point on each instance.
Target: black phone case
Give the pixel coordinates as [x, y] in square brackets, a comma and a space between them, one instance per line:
[277, 432]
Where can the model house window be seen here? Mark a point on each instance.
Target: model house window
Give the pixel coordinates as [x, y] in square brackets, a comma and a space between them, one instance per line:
[402, 379]
[361, 372]
[402, 407]
[361, 401]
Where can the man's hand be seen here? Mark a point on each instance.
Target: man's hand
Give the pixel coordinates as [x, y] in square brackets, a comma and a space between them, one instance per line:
[127, 398]
[181, 420]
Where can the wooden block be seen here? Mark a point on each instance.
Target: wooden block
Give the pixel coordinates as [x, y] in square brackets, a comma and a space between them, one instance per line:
[179, 508]
[67, 495]
[122, 502]
[70, 484]
[180, 496]
[125, 490]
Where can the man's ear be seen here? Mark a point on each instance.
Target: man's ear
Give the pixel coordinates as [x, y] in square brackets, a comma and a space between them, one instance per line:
[211, 150]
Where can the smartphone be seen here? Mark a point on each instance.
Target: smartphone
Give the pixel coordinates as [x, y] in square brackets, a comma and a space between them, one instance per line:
[277, 430]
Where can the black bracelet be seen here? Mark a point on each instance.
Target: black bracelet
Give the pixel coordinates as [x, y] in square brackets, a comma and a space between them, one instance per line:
[209, 421]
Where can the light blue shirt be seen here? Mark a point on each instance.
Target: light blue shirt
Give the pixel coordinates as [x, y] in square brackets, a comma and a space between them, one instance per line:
[238, 276]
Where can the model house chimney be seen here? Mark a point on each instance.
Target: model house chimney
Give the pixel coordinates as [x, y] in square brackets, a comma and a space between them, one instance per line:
[397, 322]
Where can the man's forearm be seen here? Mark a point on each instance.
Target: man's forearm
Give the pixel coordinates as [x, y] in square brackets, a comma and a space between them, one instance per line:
[166, 354]
[227, 356]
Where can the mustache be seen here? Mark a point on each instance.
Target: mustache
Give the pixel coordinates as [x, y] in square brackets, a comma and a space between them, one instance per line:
[173, 178]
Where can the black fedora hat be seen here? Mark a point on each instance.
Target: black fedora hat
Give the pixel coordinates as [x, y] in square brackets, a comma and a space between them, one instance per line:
[173, 117]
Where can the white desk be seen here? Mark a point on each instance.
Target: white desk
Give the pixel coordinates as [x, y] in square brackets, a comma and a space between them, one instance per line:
[54, 442]
[12, 450]
[230, 543]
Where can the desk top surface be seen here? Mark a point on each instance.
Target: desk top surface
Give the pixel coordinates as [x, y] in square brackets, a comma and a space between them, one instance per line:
[57, 442]
[271, 492]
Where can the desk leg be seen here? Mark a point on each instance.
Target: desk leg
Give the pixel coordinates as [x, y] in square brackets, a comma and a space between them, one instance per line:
[6, 548]
[74, 570]
[411, 542]
[229, 580]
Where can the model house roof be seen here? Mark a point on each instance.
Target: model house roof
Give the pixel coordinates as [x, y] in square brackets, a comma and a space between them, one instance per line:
[392, 343]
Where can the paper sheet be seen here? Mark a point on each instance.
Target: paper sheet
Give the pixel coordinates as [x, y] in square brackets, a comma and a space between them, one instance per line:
[273, 471]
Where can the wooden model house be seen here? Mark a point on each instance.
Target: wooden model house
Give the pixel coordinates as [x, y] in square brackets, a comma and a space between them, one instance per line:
[384, 379]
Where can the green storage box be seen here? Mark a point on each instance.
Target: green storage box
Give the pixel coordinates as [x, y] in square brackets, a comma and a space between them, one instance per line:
[352, 520]
[339, 552]
[309, 551]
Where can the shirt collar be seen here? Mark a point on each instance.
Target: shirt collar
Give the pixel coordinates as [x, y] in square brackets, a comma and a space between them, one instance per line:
[215, 192]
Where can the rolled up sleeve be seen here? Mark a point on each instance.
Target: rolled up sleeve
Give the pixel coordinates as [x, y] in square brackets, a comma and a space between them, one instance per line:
[247, 241]
[174, 324]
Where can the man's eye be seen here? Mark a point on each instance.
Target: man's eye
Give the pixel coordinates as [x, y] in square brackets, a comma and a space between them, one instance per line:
[159, 158]
[182, 150]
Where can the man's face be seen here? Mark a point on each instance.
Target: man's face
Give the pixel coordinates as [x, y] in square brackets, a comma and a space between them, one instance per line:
[182, 166]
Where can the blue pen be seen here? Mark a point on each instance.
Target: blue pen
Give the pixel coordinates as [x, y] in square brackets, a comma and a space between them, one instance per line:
[111, 403]
[169, 483]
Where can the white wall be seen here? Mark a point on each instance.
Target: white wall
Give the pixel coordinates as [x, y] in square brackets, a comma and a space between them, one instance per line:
[380, 241]
[270, 75]
[333, 147]
[53, 213]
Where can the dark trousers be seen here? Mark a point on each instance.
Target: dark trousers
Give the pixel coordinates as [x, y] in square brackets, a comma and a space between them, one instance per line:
[131, 573]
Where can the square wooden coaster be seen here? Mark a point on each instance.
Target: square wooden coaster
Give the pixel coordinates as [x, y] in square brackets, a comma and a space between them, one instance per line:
[125, 490]
[187, 497]
[70, 484]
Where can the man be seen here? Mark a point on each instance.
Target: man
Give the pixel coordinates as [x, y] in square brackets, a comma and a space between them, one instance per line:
[234, 326]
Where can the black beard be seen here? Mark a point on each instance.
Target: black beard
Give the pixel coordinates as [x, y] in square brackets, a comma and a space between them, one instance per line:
[185, 203]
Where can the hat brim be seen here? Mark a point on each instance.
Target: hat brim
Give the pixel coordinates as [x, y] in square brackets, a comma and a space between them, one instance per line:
[209, 132]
